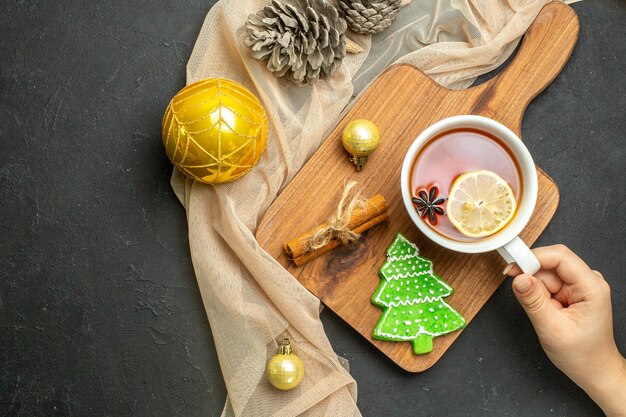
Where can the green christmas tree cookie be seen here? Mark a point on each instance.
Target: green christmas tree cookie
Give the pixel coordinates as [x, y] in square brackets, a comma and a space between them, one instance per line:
[411, 296]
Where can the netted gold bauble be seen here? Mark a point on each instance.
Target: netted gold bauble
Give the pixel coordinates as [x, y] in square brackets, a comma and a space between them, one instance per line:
[214, 130]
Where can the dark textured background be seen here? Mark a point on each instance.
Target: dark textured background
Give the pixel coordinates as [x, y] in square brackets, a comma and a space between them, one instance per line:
[99, 309]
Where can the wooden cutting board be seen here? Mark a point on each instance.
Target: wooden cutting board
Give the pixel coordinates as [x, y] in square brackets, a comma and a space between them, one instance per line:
[402, 102]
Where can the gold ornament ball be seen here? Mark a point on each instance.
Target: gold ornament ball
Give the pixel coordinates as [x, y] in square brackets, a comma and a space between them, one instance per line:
[214, 130]
[285, 370]
[360, 138]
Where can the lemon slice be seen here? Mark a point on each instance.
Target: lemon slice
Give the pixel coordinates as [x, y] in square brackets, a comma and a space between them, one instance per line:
[480, 203]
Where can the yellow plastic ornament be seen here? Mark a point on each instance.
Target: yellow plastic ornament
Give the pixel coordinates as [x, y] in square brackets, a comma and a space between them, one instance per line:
[285, 370]
[214, 130]
[360, 138]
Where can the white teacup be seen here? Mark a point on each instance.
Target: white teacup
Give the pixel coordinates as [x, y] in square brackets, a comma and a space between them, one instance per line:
[506, 241]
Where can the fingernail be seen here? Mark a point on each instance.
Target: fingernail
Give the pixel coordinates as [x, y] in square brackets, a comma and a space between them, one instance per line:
[507, 269]
[522, 284]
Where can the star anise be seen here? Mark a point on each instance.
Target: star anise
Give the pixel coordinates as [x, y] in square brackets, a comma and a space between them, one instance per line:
[427, 204]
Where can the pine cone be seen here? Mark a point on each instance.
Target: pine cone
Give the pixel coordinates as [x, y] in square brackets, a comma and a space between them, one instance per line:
[301, 39]
[369, 16]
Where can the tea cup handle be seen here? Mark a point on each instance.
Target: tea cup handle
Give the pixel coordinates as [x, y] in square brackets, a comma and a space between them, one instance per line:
[517, 251]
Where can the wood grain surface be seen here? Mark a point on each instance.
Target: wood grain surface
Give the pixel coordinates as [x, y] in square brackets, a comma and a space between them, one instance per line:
[403, 101]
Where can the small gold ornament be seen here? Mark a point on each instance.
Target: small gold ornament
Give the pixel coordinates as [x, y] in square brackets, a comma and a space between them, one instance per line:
[360, 138]
[285, 370]
[214, 130]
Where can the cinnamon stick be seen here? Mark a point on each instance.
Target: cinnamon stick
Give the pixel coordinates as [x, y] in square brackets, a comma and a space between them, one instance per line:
[374, 207]
[307, 257]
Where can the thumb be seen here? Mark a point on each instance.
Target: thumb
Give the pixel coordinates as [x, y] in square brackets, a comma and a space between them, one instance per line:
[535, 300]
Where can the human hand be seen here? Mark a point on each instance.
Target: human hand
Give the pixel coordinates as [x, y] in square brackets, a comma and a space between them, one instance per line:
[569, 306]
